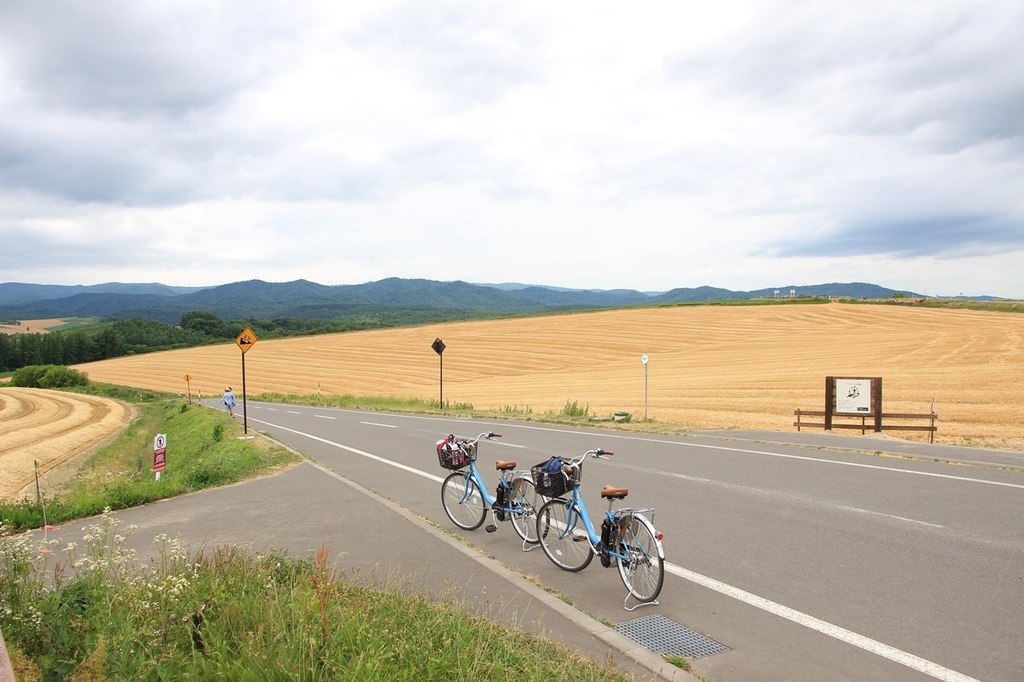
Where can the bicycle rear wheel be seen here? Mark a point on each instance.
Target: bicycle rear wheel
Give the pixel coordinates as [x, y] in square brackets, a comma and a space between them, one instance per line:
[564, 540]
[462, 501]
[524, 503]
[643, 573]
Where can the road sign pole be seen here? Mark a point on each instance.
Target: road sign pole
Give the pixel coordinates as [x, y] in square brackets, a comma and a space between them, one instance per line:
[245, 341]
[245, 412]
[438, 347]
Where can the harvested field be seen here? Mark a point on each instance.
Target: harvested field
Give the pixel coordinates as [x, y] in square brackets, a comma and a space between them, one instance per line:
[720, 367]
[31, 326]
[51, 428]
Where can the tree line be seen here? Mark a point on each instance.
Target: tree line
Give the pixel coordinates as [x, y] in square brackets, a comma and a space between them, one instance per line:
[135, 336]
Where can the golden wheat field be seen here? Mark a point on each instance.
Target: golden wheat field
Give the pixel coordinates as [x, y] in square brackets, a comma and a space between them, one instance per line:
[715, 367]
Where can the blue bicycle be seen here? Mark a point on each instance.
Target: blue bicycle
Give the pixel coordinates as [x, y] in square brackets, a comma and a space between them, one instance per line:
[628, 539]
[466, 499]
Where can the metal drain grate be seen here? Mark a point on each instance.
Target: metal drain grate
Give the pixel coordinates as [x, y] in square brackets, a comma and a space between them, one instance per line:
[668, 637]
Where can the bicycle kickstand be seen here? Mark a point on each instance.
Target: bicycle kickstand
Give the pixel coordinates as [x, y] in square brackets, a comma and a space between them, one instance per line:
[653, 602]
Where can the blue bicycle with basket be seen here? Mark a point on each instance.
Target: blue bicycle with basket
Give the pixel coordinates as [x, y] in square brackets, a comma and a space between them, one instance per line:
[466, 499]
[628, 538]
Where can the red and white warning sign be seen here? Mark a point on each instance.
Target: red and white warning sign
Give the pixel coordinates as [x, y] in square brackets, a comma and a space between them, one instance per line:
[160, 452]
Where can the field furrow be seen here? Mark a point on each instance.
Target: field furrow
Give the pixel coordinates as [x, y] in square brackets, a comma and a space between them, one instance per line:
[54, 427]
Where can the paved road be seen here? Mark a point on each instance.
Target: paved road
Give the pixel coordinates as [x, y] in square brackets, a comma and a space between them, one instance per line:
[805, 554]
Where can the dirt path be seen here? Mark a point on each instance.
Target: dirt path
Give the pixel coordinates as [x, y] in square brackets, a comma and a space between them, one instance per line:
[50, 428]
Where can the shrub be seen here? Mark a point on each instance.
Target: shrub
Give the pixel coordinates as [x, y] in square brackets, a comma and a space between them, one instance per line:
[48, 376]
[62, 377]
[574, 411]
[29, 376]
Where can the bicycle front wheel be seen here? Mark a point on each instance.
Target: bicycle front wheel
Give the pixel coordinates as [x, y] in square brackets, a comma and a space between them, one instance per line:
[564, 539]
[462, 501]
[524, 505]
[643, 572]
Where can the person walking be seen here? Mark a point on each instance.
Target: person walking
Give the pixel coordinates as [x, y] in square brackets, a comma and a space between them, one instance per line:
[229, 401]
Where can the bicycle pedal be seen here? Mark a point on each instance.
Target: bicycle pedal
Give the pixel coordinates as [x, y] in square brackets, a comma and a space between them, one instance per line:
[491, 528]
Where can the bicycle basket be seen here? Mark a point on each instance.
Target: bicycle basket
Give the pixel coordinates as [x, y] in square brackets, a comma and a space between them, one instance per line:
[549, 478]
[455, 455]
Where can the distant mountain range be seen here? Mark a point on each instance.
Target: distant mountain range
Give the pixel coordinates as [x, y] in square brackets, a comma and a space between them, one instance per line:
[304, 299]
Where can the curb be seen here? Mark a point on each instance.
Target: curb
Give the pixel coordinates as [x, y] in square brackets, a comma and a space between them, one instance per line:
[637, 653]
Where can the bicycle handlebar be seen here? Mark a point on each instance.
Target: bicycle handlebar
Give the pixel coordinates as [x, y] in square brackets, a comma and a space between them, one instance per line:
[577, 461]
[486, 435]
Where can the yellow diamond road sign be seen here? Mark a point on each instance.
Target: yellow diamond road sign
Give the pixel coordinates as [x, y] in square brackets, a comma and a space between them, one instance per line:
[246, 339]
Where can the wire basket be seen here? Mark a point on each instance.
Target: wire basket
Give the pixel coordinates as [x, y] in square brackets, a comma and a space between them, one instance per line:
[554, 483]
[455, 455]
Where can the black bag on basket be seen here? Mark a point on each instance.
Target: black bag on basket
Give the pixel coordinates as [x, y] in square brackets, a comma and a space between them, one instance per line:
[548, 477]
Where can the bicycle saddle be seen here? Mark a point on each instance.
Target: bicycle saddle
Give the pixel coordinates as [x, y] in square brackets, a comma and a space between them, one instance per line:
[614, 493]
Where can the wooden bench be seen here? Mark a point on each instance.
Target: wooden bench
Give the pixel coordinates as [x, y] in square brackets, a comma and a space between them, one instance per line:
[864, 426]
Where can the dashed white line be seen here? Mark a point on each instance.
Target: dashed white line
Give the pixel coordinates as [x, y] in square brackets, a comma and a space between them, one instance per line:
[858, 510]
[355, 451]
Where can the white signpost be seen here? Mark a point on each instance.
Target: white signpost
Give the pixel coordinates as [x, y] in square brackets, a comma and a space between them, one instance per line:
[643, 359]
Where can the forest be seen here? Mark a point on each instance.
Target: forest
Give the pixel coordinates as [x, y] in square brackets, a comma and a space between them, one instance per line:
[133, 336]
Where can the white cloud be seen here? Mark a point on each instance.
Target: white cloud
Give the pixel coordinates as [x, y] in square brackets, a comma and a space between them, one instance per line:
[740, 145]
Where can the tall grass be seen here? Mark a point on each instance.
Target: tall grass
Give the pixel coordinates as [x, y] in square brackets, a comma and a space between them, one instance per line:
[232, 614]
[384, 403]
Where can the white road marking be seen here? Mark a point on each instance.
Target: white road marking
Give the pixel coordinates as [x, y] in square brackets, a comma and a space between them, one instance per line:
[750, 490]
[765, 453]
[857, 464]
[858, 510]
[386, 426]
[842, 634]
[323, 416]
[355, 451]
[618, 436]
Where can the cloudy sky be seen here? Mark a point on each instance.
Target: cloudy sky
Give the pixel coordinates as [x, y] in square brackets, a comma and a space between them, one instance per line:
[598, 145]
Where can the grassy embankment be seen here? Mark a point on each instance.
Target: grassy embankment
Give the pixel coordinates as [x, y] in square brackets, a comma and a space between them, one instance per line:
[227, 612]
[230, 614]
[203, 452]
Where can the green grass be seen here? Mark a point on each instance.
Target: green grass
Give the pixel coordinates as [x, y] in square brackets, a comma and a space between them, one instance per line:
[571, 412]
[998, 306]
[76, 323]
[202, 451]
[231, 614]
[354, 402]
